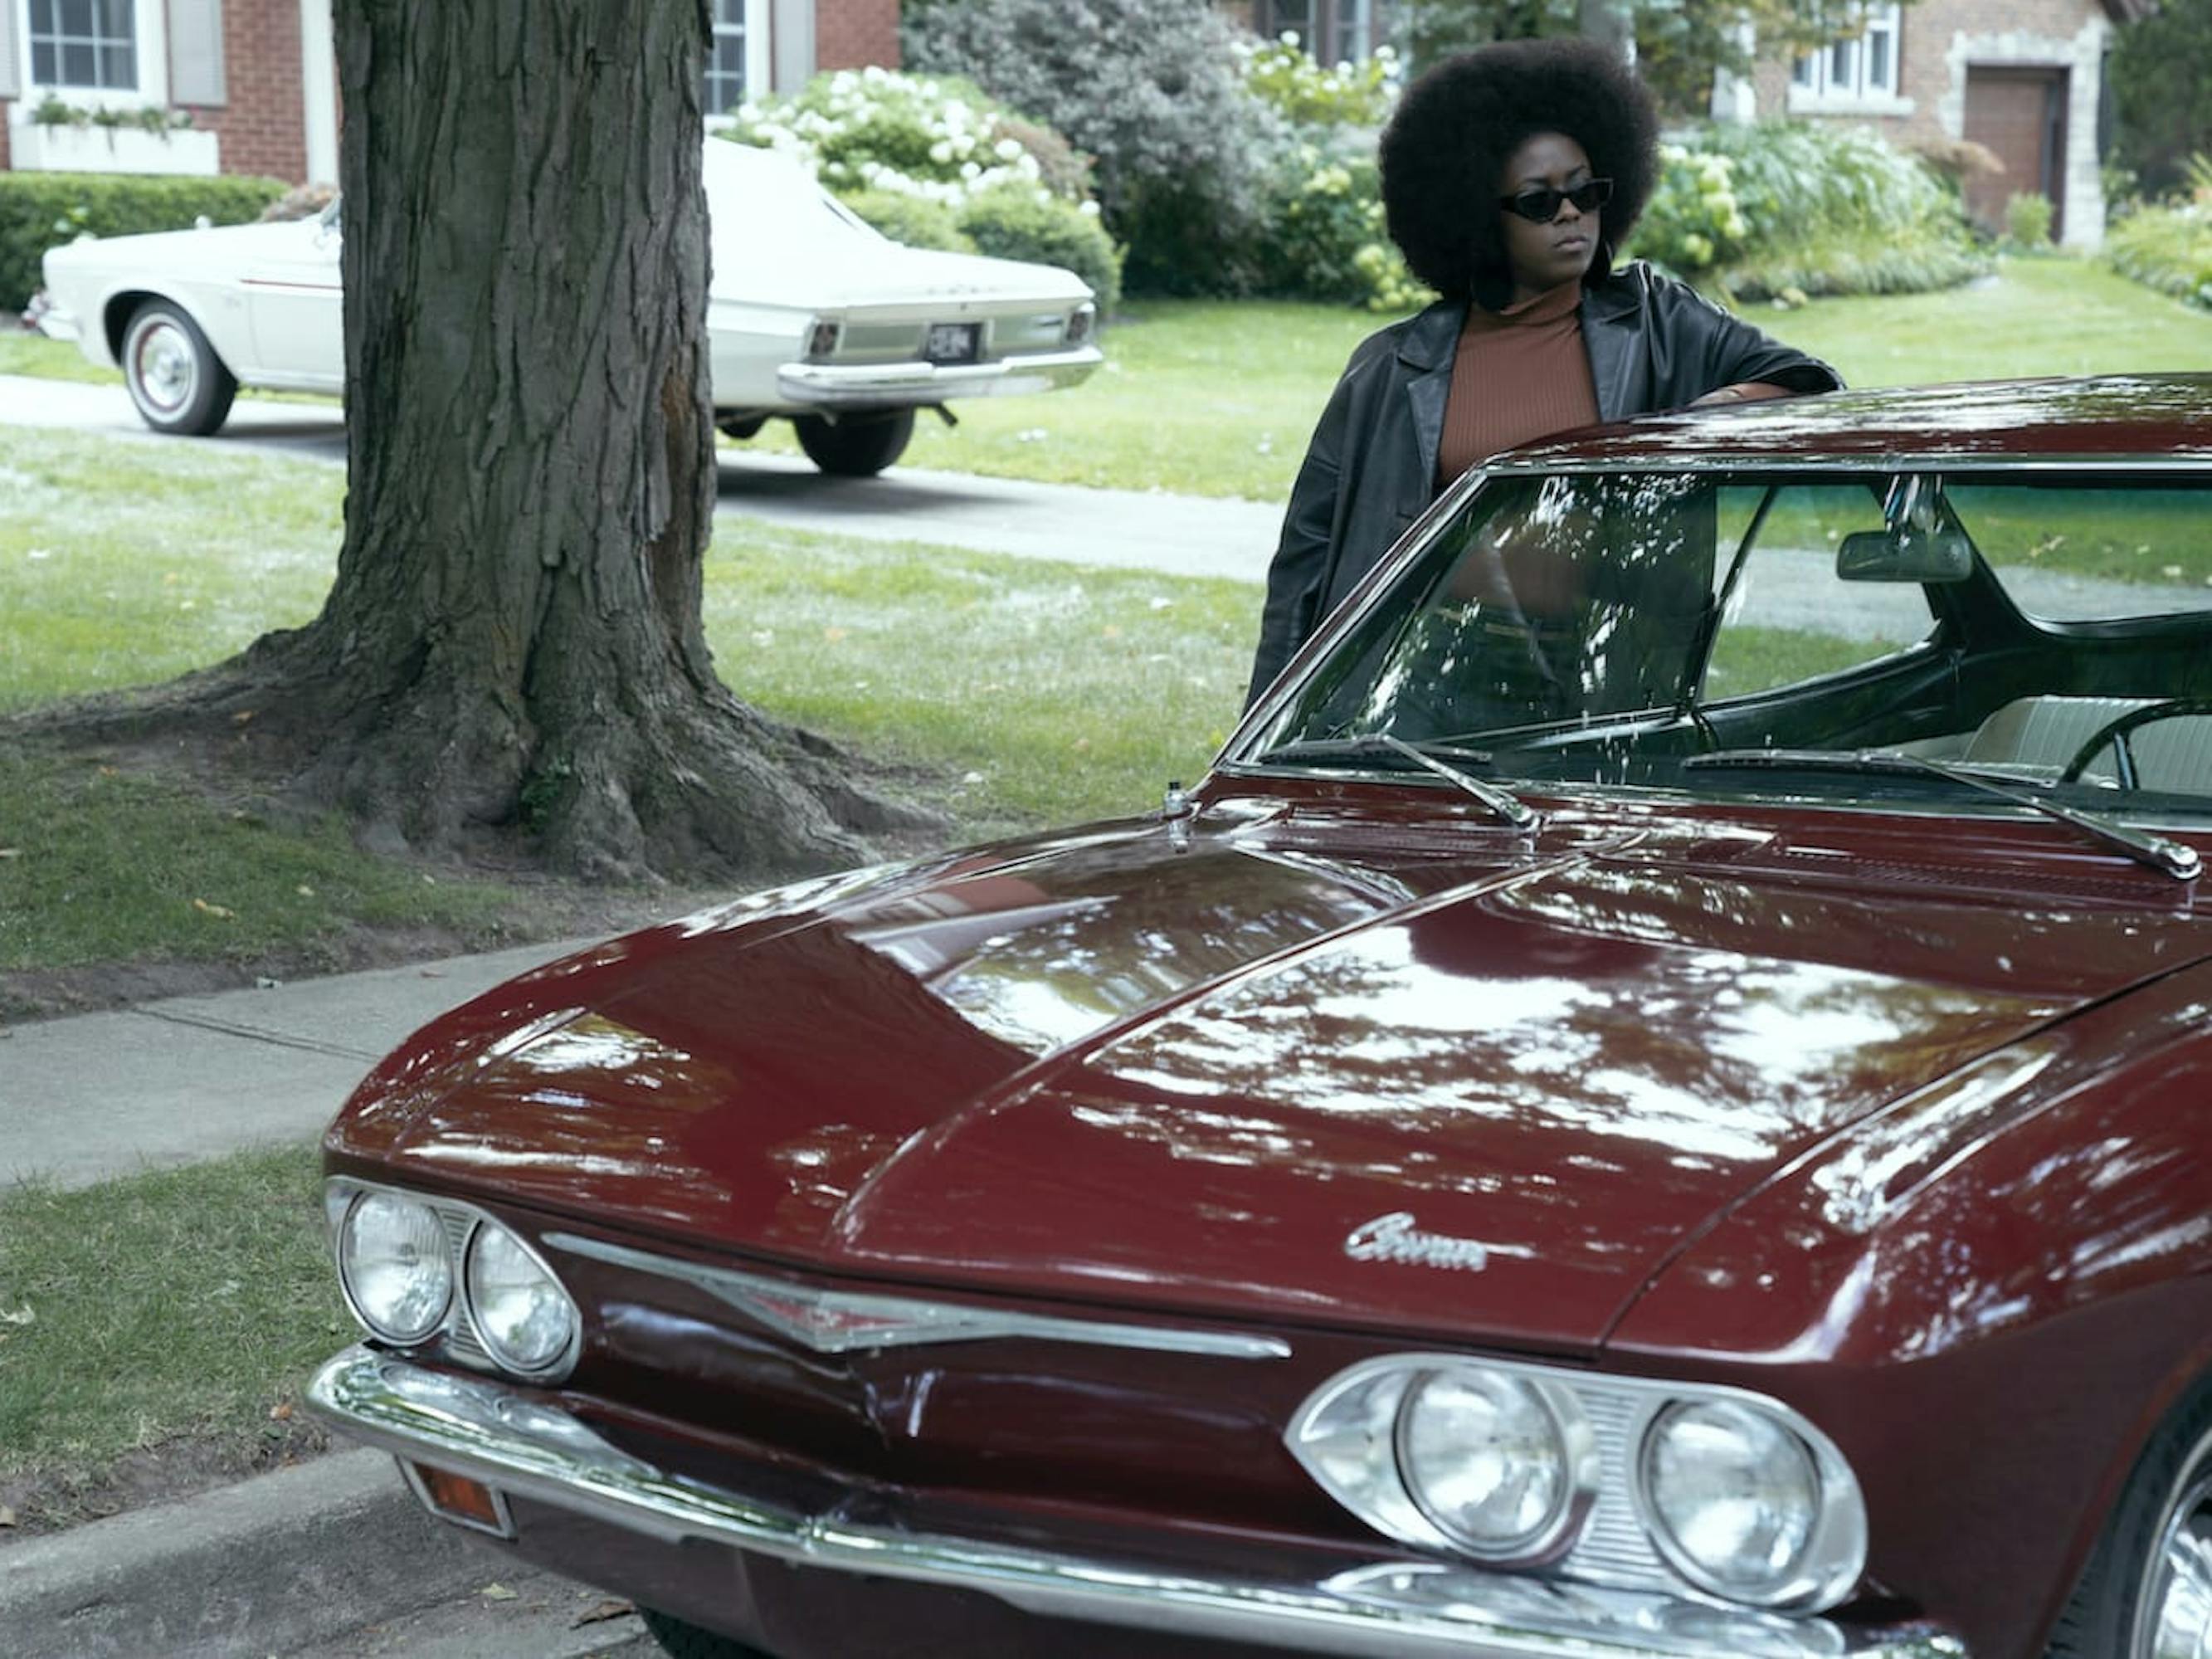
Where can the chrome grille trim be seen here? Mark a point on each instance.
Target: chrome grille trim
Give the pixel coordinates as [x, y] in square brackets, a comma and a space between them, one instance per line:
[842, 1322]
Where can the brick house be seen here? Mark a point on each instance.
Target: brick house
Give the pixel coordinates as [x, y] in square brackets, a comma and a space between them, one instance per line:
[2025, 78]
[259, 81]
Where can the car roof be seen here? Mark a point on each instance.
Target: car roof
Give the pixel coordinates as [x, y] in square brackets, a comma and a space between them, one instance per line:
[2124, 420]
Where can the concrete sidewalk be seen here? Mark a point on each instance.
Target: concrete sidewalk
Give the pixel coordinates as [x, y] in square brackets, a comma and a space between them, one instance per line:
[103, 1095]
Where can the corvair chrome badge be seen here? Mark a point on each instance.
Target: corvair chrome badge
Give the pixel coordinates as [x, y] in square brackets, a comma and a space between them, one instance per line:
[1394, 1237]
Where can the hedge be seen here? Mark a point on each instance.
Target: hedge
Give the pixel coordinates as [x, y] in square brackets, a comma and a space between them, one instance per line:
[40, 211]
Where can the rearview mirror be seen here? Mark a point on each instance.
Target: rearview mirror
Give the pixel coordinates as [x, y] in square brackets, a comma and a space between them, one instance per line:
[1905, 555]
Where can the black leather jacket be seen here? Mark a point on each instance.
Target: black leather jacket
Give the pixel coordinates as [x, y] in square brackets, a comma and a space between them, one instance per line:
[1654, 343]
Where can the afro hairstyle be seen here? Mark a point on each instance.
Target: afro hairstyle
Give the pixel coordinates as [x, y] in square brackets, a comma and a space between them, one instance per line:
[1458, 125]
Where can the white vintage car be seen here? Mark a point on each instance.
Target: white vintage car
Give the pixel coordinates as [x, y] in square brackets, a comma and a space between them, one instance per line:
[812, 316]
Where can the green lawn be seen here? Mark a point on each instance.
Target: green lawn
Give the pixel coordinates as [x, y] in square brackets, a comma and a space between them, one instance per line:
[987, 671]
[190, 1304]
[2047, 315]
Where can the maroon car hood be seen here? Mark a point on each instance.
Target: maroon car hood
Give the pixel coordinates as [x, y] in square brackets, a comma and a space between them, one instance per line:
[1203, 1078]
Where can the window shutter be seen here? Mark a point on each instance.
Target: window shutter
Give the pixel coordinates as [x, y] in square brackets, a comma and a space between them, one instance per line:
[791, 39]
[196, 69]
[11, 72]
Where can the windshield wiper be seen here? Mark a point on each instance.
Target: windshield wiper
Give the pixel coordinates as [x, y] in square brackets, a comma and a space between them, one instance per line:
[1429, 757]
[2167, 856]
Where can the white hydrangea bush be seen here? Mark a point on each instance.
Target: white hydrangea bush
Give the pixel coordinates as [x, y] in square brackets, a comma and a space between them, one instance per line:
[931, 137]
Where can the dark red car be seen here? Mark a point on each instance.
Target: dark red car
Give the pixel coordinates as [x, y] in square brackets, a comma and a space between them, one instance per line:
[1656, 1100]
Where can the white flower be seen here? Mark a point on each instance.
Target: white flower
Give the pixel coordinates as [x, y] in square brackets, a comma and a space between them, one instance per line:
[941, 152]
[1007, 149]
[969, 170]
[1088, 210]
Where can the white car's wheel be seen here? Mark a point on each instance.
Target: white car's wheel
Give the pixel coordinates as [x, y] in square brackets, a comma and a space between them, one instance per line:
[857, 446]
[176, 380]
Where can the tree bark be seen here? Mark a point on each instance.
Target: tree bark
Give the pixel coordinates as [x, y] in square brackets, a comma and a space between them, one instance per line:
[513, 638]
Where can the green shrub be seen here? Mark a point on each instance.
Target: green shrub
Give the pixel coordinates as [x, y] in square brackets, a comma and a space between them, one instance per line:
[914, 220]
[1186, 153]
[2027, 219]
[1012, 222]
[1825, 210]
[934, 162]
[1306, 93]
[2160, 72]
[1693, 220]
[40, 211]
[933, 137]
[2167, 248]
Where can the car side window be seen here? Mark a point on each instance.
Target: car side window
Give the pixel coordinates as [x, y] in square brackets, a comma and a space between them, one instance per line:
[1784, 615]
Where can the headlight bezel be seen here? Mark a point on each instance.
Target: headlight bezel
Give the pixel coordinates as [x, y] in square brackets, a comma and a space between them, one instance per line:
[342, 1250]
[457, 1336]
[1345, 1435]
[564, 1358]
[1575, 1466]
[1833, 1556]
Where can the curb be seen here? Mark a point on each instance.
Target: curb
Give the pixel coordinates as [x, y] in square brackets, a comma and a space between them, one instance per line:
[265, 1566]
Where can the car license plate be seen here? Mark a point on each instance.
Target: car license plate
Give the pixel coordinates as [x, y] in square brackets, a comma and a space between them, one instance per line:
[953, 342]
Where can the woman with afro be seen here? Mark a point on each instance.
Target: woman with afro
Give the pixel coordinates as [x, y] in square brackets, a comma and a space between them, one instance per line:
[1511, 174]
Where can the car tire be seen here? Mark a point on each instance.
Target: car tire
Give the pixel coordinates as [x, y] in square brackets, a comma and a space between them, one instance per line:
[857, 446]
[174, 377]
[2152, 1564]
[681, 1641]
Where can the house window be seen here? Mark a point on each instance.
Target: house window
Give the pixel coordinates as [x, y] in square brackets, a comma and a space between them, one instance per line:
[94, 53]
[737, 55]
[1333, 31]
[1354, 37]
[1860, 70]
[85, 44]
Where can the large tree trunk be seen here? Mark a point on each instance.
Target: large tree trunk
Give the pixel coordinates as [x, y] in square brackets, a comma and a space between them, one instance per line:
[514, 633]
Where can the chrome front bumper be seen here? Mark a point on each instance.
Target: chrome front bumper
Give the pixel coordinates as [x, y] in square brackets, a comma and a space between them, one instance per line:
[514, 1442]
[904, 384]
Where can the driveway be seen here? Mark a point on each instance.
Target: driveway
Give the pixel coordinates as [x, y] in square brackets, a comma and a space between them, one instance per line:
[1178, 535]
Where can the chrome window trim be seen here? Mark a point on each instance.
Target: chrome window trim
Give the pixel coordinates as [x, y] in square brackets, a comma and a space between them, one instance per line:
[456, 1333]
[519, 1443]
[845, 1322]
[1602, 1549]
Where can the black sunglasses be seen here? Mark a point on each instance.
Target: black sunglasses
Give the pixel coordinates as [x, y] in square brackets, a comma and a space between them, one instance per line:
[1542, 204]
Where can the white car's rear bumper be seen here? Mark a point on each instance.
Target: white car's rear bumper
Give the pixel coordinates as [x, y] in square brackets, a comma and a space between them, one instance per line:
[896, 385]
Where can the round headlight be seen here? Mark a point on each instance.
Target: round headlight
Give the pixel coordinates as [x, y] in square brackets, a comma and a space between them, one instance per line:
[392, 1263]
[1735, 1498]
[1496, 1463]
[528, 1322]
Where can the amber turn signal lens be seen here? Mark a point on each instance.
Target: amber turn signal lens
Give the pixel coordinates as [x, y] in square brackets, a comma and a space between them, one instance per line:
[460, 1497]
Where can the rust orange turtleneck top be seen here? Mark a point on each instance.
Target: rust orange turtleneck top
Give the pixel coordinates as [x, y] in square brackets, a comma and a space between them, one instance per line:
[1519, 373]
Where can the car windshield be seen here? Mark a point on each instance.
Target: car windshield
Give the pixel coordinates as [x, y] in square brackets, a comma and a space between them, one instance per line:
[1764, 632]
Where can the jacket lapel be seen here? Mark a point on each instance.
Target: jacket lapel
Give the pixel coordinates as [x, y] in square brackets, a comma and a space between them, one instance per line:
[1427, 349]
[1614, 336]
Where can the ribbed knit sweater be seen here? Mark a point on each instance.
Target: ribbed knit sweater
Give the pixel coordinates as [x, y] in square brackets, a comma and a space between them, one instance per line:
[1519, 373]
